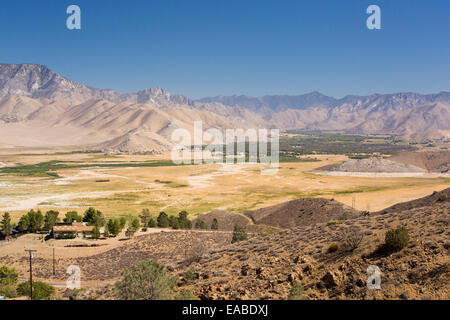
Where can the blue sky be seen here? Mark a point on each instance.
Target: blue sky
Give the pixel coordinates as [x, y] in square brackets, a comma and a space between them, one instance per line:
[224, 47]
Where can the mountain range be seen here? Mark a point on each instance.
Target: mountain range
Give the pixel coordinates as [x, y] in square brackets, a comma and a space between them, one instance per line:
[39, 107]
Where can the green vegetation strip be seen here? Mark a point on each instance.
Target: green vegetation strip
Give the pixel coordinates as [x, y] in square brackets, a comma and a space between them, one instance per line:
[50, 168]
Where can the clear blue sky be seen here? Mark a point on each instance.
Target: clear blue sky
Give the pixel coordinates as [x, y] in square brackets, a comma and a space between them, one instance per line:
[224, 47]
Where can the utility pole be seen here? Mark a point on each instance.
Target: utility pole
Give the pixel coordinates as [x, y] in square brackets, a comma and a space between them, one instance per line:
[54, 272]
[30, 252]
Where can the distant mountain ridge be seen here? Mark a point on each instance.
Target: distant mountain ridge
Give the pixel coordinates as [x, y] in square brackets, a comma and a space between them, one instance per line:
[71, 113]
[38, 81]
[317, 99]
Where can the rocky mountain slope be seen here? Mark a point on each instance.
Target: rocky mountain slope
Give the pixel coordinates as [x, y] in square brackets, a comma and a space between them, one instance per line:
[407, 114]
[265, 267]
[33, 96]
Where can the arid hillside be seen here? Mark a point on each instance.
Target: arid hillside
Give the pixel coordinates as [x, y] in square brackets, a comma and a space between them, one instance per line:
[264, 267]
[302, 212]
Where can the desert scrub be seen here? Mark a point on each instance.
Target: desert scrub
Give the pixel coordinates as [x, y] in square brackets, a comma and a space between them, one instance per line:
[239, 234]
[396, 239]
[333, 247]
[351, 238]
[41, 290]
[185, 295]
[146, 280]
[297, 292]
[191, 275]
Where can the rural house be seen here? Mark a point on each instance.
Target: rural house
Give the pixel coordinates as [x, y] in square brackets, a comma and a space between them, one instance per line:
[71, 230]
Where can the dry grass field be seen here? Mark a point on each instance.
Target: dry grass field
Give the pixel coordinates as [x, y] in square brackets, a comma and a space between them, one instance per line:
[121, 185]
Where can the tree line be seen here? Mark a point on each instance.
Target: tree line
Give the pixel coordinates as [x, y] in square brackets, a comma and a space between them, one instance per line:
[36, 221]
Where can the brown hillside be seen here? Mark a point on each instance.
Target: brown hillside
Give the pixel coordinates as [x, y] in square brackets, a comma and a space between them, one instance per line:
[430, 161]
[264, 267]
[301, 212]
[227, 220]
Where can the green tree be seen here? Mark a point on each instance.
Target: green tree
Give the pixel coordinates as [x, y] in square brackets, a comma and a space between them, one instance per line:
[94, 217]
[50, 219]
[72, 216]
[135, 224]
[215, 224]
[239, 234]
[200, 224]
[146, 280]
[31, 222]
[114, 227]
[152, 223]
[24, 223]
[163, 220]
[41, 290]
[5, 224]
[133, 227]
[145, 217]
[106, 232]
[174, 222]
[95, 233]
[36, 221]
[183, 220]
[123, 222]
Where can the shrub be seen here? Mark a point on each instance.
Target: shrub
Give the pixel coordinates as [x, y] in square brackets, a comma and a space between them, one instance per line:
[333, 247]
[8, 280]
[351, 238]
[8, 275]
[333, 222]
[186, 295]
[239, 234]
[41, 290]
[297, 292]
[8, 291]
[195, 254]
[146, 280]
[396, 239]
[191, 275]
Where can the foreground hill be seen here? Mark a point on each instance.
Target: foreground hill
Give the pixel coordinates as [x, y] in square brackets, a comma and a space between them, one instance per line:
[264, 267]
